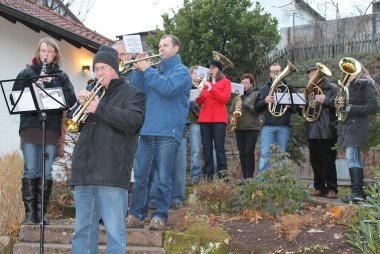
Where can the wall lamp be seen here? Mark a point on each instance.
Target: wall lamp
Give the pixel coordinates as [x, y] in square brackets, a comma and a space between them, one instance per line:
[85, 68]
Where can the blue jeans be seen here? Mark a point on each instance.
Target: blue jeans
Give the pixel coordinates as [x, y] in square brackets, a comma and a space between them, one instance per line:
[195, 149]
[32, 160]
[178, 176]
[272, 135]
[95, 202]
[353, 157]
[162, 151]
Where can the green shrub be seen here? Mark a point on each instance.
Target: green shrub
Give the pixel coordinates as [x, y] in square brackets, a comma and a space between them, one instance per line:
[275, 192]
[366, 230]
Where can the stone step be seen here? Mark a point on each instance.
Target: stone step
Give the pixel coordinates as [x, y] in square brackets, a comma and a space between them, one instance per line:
[62, 234]
[50, 248]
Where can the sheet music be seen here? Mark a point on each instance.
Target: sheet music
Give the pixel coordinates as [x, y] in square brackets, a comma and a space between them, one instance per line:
[194, 93]
[44, 101]
[237, 88]
[284, 98]
[133, 44]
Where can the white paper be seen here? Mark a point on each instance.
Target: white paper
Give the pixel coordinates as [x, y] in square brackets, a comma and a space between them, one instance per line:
[133, 44]
[283, 98]
[202, 71]
[194, 93]
[26, 102]
[237, 88]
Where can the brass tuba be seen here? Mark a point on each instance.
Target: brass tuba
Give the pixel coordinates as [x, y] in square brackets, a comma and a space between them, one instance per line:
[312, 111]
[224, 60]
[79, 117]
[279, 86]
[349, 66]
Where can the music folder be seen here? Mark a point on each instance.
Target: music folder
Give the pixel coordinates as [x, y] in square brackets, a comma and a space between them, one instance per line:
[50, 98]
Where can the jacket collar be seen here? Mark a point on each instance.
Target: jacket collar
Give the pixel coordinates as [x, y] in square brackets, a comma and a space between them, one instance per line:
[169, 63]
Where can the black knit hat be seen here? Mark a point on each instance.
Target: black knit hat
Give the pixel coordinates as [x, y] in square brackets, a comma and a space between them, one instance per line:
[216, 63]
[108, 56]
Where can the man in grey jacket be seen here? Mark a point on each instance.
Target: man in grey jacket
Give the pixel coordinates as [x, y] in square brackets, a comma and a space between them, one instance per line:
[103, 157]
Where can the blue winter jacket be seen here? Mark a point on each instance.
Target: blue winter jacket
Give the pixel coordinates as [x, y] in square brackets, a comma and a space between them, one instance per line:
[167, 91]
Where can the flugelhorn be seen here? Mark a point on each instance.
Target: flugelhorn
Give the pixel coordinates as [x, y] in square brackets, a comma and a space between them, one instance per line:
[79, 117]
[125, 66]
[312, 110]
[349, 66]
[279, 86]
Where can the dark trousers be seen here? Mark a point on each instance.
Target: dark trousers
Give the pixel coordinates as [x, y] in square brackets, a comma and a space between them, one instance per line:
[213, 136]
[322, 159]
[246, 143]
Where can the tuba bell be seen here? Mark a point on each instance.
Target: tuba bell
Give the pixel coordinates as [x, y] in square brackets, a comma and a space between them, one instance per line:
[349, 66]
[313, 109]
[227, 63]
[278, 86]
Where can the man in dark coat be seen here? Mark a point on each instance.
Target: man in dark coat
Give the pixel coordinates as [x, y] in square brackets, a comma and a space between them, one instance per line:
[321, 137]
[103, 157]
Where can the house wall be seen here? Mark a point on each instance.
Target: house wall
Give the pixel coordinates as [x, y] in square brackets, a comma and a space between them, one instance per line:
[17, 45]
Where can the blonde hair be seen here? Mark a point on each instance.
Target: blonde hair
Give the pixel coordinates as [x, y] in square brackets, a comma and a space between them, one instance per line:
[52, 43]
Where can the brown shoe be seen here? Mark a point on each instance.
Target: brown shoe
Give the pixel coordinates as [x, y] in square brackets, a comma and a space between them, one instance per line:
[331, 194]
[133, 222]
[317, 193]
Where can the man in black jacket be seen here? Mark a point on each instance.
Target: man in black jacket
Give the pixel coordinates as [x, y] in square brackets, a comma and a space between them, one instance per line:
[321, 136]
[103, 157]
[275, 130]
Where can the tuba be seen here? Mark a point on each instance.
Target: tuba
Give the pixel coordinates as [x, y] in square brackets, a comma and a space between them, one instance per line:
[312, 111]
[79, 117]
[279, 86]
[224, 60]
[349, 66]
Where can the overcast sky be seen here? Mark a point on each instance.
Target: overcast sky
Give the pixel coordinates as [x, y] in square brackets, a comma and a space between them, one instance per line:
[117, 17]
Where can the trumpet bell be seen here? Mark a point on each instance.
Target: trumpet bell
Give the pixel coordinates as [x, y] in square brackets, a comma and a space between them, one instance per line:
[227, 63]
[71, 126]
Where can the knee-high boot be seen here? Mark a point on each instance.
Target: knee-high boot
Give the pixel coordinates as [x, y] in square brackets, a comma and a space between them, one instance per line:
[47, 191]
[29, 197]
[357, 193]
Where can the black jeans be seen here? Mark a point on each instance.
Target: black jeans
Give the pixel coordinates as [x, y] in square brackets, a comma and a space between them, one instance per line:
[246, 143]
[322, 160]
[213, 136]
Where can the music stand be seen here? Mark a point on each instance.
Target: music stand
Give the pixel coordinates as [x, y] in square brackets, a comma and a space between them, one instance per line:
[290, 97]
[35, 98]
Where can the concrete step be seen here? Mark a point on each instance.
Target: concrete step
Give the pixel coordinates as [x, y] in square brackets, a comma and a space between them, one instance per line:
[62, 234]
[53, 248]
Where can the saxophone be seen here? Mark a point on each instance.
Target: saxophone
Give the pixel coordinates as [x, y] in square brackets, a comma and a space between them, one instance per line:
[235, 115]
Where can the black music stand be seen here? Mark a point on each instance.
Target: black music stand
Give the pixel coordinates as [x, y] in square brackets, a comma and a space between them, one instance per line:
[290, 97]
[35, 98]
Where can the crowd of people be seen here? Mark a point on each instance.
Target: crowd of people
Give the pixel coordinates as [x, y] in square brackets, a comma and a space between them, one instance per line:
[142, 123]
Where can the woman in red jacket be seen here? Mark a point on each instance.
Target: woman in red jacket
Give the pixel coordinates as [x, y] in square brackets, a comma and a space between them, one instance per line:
[213, 118]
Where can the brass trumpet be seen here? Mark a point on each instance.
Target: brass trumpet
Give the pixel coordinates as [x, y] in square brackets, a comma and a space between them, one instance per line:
[79, 117]
[125, 66]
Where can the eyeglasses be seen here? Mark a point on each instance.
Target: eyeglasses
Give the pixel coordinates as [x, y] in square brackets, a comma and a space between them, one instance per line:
[100, 68]
[275, 72]
[48, 51]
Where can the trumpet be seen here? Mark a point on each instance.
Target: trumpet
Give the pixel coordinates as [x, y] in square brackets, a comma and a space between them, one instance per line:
[125, 66]
[79, 117]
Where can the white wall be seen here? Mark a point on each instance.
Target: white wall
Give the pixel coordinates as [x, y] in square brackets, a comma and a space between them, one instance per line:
[17, 45]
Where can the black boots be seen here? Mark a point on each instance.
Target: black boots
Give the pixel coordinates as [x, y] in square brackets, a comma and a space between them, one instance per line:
[48, 185]
[29, 196]
[357, 193]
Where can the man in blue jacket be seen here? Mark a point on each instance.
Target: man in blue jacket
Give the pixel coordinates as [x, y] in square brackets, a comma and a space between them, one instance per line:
[167, 89]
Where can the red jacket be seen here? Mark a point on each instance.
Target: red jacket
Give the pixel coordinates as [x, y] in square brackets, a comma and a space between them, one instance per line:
[213, 103]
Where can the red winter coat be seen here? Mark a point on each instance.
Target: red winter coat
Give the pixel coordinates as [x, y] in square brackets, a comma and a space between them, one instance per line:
[213, 103]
